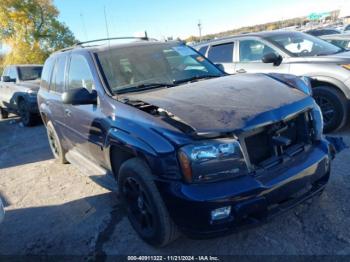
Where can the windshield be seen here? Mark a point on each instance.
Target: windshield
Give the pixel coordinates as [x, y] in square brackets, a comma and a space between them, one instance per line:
[302, 45]
[30, 72]
[135, 68]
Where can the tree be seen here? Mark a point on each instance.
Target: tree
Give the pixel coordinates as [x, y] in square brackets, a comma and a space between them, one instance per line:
[32, 31]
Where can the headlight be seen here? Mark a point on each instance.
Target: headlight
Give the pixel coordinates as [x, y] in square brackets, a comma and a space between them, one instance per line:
[346, 66]
[317, 119]
[31, 92]
[212, 160]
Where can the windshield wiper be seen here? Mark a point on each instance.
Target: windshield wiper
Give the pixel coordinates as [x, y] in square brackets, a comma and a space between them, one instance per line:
[142, 87]
[194, 78]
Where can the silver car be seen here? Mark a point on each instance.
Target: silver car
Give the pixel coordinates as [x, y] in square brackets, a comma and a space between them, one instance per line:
[2, 211]
[290, 52]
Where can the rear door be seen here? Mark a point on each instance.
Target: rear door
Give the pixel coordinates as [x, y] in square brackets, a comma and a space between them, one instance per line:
[250, 54]
[223, 54]
[54, 98]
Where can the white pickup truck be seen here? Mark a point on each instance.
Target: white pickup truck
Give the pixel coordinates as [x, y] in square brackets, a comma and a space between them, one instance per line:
[18, 91]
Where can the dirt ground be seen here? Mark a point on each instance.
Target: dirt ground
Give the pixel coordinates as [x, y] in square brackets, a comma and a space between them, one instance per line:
[55, 209]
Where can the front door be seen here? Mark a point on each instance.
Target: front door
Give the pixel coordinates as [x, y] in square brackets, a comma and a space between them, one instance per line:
[9, 89]
[85, 122]
[251, 52]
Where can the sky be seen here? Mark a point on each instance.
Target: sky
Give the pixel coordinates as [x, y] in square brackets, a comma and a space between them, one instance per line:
[178, 18]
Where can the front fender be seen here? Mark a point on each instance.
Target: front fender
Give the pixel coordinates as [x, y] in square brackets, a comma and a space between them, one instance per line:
[341, 85]
[161, 160]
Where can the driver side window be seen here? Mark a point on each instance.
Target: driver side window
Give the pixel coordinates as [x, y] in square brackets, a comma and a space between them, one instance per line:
[79, 74]
[253, 50]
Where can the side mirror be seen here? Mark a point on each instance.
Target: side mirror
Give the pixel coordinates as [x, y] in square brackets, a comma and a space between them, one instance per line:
[220, 66]
[273, 58]
[7, 79]
[79, 96]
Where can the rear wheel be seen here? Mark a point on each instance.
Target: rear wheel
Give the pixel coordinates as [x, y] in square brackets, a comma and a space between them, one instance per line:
[3, 113]
[334, 107]
[55, 144]
[27, 118]
[146, 210]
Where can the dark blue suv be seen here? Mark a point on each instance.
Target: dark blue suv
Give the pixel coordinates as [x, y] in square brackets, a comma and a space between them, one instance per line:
[191, 148]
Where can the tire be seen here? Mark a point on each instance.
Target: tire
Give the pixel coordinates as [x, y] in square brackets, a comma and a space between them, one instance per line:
[334, 107]
[27, 118]
[144, 204]
[55, 144]
[3, 113]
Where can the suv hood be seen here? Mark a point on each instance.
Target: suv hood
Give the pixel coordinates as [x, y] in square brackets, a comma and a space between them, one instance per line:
[223, 104]
[343, 57]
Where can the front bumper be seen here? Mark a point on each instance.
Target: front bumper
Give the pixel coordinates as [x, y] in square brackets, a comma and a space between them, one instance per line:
[253, 199]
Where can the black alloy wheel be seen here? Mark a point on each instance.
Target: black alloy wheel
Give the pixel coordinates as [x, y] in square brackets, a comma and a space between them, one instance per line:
[140, 210]
[334, 107]
[327, 108]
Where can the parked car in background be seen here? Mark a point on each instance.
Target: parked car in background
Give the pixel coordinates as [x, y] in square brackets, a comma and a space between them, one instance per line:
[192, 148]
[346, 29]
[18, 92]
[341, 40]
[323, 31]
[327, 65]
[2, 211]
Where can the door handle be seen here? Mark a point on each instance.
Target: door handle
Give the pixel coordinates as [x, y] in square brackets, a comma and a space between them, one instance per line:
[241, 71]
[68, 112]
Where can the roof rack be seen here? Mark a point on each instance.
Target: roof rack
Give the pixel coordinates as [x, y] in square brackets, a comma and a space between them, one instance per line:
[112, 38]
[80, 44]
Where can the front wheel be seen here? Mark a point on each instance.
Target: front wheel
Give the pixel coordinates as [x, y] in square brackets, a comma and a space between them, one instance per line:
[27, 118]
[146, 210]
[334, 107]
[3, 113]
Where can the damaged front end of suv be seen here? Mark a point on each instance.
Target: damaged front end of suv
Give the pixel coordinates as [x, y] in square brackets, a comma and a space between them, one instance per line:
[254, 148]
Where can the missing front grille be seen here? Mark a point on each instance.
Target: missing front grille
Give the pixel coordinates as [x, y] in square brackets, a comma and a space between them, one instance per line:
[267, 147]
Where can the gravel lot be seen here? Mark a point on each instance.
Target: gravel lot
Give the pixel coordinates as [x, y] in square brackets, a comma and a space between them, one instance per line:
[55, 209]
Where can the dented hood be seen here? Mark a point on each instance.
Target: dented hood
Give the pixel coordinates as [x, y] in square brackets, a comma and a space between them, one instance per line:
[225, 103]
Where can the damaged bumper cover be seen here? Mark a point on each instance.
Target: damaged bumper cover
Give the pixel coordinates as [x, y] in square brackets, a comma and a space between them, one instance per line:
[252, 198]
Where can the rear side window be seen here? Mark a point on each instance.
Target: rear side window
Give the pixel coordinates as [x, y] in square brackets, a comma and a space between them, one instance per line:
[57, 82]
[221, 53]
[203, 50]
[46, 74]
[80, 74]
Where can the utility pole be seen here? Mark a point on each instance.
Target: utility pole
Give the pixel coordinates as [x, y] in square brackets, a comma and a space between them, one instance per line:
[200, 30]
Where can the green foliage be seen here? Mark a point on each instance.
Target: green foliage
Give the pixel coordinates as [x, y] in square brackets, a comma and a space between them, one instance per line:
[32, 31]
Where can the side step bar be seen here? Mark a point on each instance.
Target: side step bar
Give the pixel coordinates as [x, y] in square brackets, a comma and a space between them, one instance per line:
[98, 174]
